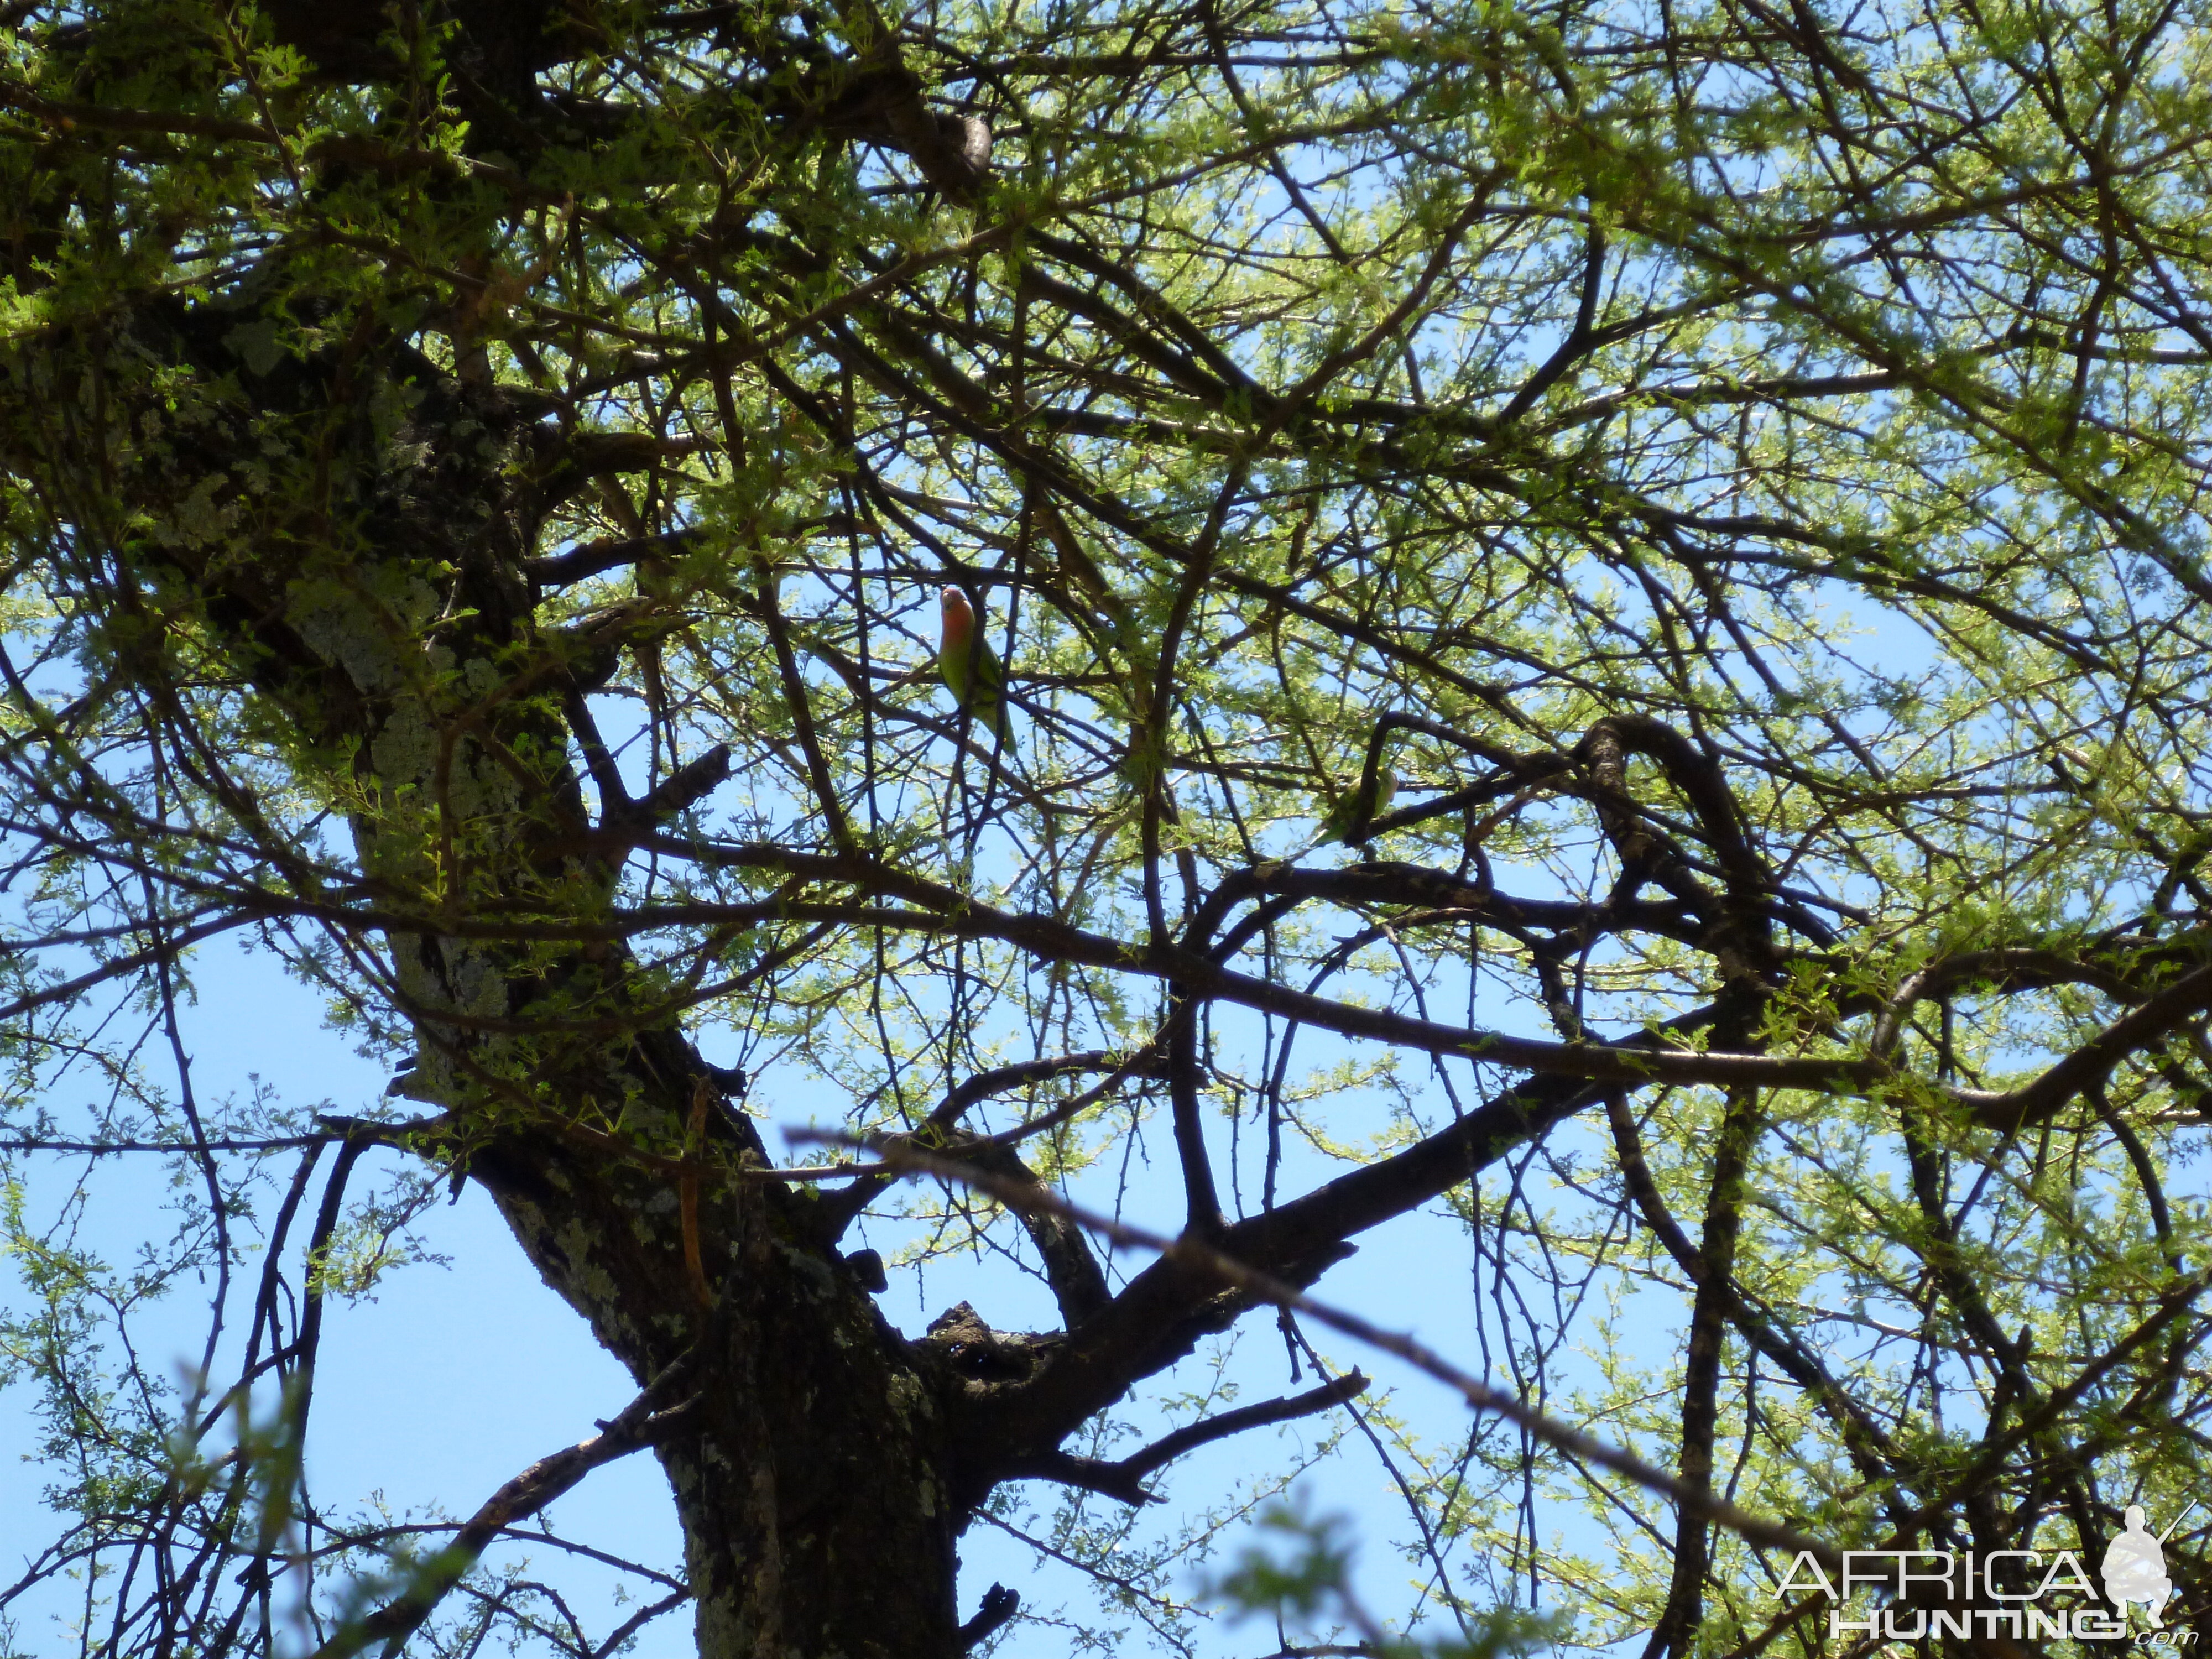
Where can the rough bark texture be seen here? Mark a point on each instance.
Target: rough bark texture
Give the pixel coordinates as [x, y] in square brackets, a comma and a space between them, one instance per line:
[810, 1484]
[812, 1478]
[812, 1481]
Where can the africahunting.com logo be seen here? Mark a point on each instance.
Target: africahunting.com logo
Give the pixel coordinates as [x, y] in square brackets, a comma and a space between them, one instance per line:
[1955, 1593]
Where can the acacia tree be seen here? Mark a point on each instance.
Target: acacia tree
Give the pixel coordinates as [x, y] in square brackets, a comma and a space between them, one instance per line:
[477, 482]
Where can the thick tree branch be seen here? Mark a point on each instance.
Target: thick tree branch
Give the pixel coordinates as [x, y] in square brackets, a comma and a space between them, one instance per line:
[1124, 1478]
[1206, 1260]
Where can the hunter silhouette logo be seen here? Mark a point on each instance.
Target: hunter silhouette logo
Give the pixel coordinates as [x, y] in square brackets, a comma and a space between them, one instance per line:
[1963, 1594]
[2135, 1565]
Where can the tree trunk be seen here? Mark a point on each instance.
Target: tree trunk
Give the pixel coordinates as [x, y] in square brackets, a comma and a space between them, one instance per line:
[811, 1478]
[810, 1474]
[388, 621]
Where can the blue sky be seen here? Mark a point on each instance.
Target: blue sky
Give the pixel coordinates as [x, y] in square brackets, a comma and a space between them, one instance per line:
[448, 1380]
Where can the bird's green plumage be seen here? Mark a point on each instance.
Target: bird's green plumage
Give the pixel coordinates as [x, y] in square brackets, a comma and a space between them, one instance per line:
[1348, 817]
[970, 669]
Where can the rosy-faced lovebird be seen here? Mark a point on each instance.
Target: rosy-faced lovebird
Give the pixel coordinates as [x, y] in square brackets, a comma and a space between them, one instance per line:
[970, 668]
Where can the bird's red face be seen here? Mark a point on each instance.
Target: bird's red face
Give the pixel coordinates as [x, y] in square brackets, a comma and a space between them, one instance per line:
[954, 603]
